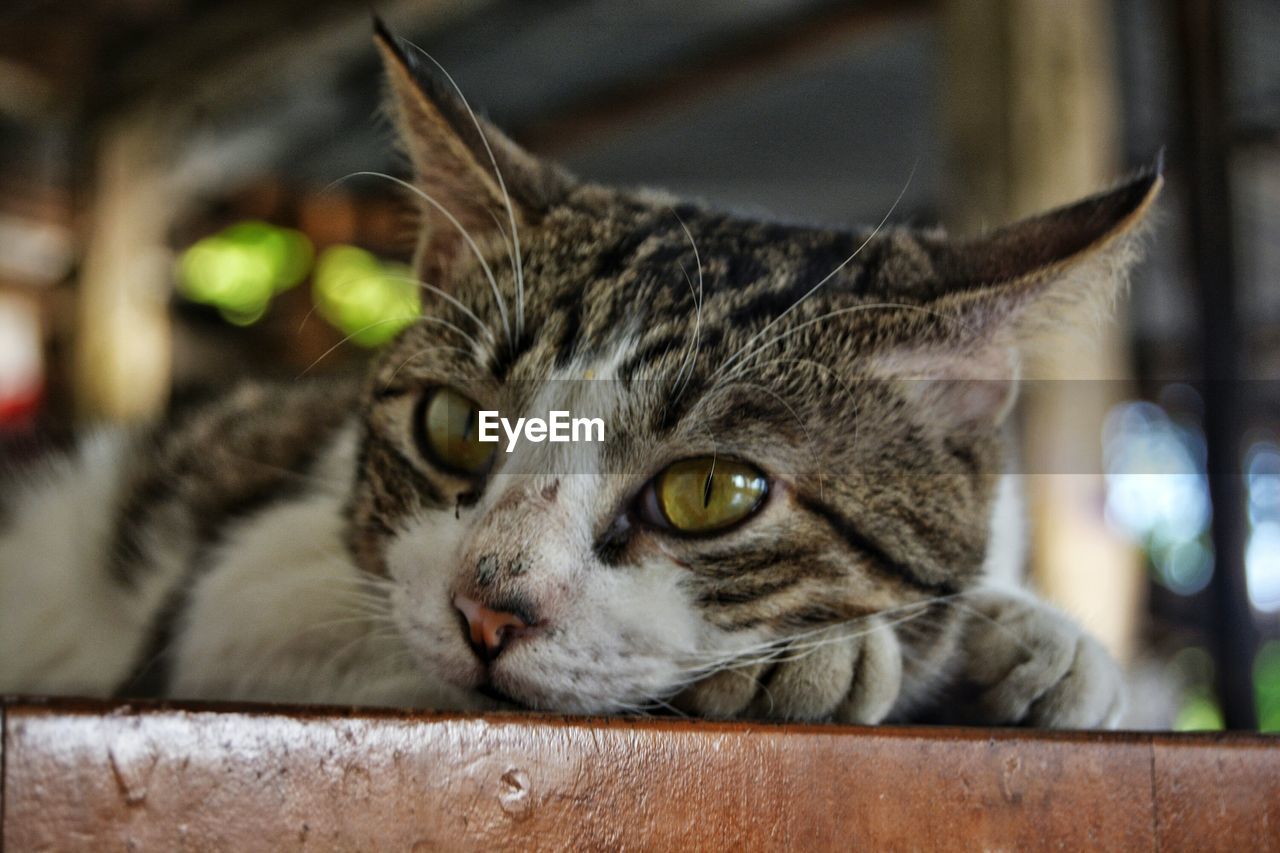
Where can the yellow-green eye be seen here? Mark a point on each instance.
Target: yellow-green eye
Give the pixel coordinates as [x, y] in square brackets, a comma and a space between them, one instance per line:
[449, 431]
[705, 494]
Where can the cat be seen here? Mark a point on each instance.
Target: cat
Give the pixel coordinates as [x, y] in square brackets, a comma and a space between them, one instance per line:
[792, 514]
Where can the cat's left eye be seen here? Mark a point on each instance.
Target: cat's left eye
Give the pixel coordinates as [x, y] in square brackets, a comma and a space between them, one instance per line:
[448, 429]
[703, 495]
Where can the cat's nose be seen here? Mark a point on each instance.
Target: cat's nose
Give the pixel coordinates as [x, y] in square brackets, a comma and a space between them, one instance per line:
[490, 631]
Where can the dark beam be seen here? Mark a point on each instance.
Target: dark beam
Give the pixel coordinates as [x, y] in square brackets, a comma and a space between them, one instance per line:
[223, 50]
[1204, 154]
[711, 70]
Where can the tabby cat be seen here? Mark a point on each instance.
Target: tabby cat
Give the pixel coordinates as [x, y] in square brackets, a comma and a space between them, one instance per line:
[792, 514]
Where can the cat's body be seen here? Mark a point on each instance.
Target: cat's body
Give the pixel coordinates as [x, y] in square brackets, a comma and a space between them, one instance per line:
[338, 543]
[204, 558]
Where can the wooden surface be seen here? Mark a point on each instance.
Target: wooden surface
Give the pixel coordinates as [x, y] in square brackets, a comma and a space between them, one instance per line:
[90, 777]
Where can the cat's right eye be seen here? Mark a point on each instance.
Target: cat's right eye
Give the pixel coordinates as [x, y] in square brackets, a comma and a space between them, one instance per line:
[703, 495]
[447, 427]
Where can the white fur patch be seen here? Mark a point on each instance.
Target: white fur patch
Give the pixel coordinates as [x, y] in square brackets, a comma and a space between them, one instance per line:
[1005, 566]
[283, 614]
[66, 626]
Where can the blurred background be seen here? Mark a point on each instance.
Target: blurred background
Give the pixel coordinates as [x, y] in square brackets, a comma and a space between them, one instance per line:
[177, 211]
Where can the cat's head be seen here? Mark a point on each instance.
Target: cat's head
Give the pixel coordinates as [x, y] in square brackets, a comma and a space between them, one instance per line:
[801, 425]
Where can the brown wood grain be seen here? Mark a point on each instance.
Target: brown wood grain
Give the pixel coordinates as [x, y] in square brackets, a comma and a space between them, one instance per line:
[1216, 792]
[90, 777]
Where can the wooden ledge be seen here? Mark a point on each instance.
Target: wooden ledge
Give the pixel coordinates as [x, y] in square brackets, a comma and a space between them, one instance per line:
[170, 777]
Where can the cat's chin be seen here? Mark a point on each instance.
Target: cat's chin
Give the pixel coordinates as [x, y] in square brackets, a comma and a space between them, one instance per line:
[498, 697]
[503, 702]
[476, 682]
[519, 695]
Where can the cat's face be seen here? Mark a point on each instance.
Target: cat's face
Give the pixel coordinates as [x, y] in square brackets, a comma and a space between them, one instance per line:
[800, 425]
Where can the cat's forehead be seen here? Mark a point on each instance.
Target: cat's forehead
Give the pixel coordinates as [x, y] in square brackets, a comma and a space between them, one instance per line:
[634, 267]
[730, 251]
[633, 283]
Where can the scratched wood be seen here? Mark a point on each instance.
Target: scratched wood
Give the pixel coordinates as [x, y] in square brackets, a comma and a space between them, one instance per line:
[92, 777]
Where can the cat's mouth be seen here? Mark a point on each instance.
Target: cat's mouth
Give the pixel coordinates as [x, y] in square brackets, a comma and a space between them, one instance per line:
[490, 691]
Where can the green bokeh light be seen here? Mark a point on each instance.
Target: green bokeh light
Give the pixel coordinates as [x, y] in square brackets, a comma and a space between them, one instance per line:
[368, 299]
[1199, 712]
[1266, 685]
[239, 269]
[1198, 707]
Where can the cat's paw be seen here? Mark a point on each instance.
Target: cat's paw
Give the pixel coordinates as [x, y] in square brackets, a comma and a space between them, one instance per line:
[1024, 663]
[850, 679]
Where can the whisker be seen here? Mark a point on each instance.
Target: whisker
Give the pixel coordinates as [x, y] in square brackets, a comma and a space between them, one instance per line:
[744, 656]
[691, 362]
[996, 623]
[331, 349]
[502, 185]
[691, 350]
[419, 354]
[351, 282]
[852, 309]
[306, 477]
[466, 236]
[666, 706]
[511, 259]
[829, 275]
[813, 448]
[835, 374]
[480, 324]
[445, 295]
[383, 322]
[339, 653]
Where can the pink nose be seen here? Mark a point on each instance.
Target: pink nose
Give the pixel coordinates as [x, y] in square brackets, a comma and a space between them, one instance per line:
[490, 630]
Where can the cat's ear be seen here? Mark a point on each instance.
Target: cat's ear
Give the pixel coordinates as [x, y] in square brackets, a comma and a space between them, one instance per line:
[988, 300]
[1045, 256]
[472, 180]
